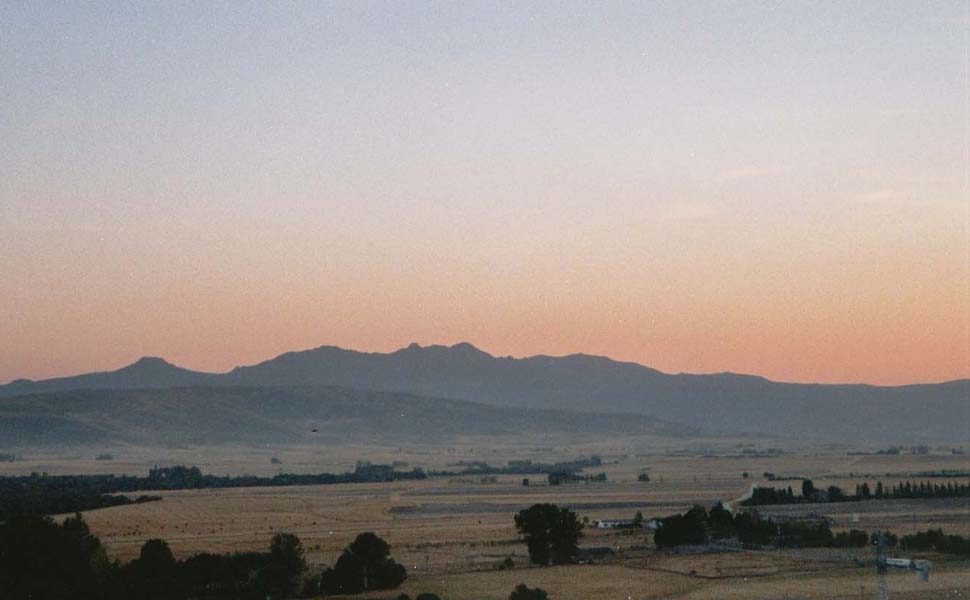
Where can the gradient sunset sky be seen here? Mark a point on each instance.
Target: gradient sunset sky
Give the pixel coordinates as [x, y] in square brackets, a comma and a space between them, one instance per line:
[778, 189]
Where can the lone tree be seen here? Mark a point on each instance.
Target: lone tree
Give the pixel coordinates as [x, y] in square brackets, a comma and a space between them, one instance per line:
[281, 576]
[550, 532]
[366, 564]
[808, 489]
[154, 574]
[523, 592]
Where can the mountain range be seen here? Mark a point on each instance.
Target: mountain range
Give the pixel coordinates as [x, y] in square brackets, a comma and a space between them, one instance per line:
[723, 402]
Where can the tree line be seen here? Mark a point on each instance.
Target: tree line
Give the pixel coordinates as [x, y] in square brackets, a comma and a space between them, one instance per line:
[42, 559]
[698, 526]
[54, 501]
[42, 494]
[935, 539]
[182, 477]
[810, 494]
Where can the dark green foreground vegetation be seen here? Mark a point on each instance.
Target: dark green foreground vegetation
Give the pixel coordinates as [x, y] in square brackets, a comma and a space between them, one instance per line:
[551, 533]
[41, 559]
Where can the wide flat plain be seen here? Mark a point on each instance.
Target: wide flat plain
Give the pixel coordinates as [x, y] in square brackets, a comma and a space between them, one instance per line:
[453, 532]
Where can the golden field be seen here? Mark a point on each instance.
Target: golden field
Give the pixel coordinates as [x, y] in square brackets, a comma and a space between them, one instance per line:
[453, 532]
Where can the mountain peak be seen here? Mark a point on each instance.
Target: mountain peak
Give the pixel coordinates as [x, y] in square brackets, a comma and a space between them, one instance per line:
[465, 349]
[468, 348]
[151, 361]
[149, 364]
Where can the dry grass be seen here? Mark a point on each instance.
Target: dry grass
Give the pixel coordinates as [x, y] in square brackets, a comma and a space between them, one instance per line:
[452, 533]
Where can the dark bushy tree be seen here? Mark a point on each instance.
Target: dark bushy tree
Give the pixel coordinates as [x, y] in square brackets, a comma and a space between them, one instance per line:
[802, 534]
[688, 528]
[154, 575]
[366, 564]
[523, 592]
[281, 576]
[854, 538]
[935, 539]
[41, 560]
[721, 522]
[808, 489]
[638, 520]
[224, 575]
[835, 494]
[550, 532]
[752, 529]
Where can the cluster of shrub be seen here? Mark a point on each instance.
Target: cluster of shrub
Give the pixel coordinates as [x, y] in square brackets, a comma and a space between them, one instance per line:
[521, 592]
[810, 494]
[935, 539]
[944, 473]
[561, 477]
[42, 559]
[773, 477]
[524, 467]
[762, 452]
[896, 450]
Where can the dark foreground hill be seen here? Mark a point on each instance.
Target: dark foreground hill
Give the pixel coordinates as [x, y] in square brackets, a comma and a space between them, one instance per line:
[285, 415]
[720, 402]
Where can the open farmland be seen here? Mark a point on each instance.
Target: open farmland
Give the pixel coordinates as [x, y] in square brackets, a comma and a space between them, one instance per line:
[453, 532]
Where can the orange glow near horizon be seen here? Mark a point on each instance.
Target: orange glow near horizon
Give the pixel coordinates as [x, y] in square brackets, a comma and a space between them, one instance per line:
[697, 187]
[853, 309]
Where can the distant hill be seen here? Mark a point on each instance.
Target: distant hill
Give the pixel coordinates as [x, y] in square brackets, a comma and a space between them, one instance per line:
[722, 402]
[285, 415]
[147, 372]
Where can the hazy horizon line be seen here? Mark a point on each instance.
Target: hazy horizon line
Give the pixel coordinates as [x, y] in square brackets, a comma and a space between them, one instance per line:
[489, 354]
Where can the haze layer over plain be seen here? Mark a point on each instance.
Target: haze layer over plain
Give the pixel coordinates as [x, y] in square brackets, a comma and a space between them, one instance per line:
[697, 188]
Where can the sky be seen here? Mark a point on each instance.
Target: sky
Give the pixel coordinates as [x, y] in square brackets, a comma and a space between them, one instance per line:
[769, 188]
